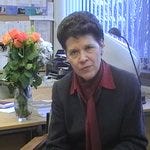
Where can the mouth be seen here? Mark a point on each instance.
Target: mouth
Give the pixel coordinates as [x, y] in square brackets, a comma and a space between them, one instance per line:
[87, 68]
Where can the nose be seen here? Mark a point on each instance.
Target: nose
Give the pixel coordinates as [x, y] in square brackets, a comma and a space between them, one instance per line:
[83, 57]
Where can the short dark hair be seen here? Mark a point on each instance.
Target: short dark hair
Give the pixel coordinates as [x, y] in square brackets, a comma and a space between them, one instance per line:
[78, 24]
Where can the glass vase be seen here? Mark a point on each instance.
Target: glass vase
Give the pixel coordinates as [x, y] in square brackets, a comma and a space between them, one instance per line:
[22, 104]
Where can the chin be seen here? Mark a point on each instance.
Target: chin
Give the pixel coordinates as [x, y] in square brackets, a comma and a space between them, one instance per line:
[88, 76]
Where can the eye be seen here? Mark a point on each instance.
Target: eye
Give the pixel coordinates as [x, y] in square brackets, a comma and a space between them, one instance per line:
[73, 53]
[89, 48]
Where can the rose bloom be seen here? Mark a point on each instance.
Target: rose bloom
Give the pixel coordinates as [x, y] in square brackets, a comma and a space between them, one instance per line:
[35, 37]
[17, 43]
[13, 33]
[17, 38]
[6, 38]
[21, 37]
[16, 34]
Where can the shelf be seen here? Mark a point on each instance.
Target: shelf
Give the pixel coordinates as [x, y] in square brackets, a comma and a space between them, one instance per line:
[14, 18]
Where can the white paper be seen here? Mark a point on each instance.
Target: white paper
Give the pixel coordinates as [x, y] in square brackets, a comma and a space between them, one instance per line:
[42, 107]
[8, 110]
[6, 105]
[43, 111]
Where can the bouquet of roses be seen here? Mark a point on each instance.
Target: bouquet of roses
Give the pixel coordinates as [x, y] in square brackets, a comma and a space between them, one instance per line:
[23, 66]
[26, 56]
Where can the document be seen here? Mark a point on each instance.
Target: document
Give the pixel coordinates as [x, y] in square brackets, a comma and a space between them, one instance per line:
[42, 107]
[7, 110]
[6, 104]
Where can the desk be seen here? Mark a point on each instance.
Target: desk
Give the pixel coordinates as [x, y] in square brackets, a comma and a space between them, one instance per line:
[14, 134]
[9, 121]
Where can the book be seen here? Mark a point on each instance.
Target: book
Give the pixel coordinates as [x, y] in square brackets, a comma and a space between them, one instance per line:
[6, 104]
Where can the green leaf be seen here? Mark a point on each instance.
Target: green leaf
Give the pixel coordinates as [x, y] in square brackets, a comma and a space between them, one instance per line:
[13, 65]
[19, 54]
[13, 54]
[29, 66]
[25, 81]
[33, 55]
[14, 77]
[28, 74]
[37, 81]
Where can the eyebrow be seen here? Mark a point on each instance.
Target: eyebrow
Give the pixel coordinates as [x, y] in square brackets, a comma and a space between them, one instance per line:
[70, 50]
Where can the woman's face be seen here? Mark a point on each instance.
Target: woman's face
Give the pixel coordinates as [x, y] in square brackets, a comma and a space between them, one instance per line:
[84, 54]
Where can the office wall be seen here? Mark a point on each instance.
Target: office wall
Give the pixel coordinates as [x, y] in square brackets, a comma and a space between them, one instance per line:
[60, 6]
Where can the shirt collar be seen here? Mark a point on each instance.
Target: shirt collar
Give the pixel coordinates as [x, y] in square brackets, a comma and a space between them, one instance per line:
[106, 81]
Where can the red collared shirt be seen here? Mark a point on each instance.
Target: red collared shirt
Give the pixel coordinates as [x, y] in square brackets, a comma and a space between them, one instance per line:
[106, 81]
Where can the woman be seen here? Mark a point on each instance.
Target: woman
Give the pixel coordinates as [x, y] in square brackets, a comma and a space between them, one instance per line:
[96, 106]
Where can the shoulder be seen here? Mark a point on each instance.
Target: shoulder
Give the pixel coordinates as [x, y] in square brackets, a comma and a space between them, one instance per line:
[61, 90]
[64, 82]
[127, 85]
[124, 78]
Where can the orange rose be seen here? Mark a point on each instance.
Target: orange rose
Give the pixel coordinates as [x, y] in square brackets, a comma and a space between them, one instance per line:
[13, 33]
[35, 37]
[17, 43]
[6, 38]
[22, 36]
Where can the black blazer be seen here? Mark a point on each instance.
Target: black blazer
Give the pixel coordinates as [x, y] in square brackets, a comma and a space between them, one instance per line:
[119, 113]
